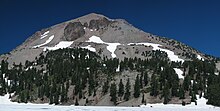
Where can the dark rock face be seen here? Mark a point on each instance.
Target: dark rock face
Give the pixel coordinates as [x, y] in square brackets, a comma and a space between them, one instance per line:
[85, 24]
[96, 24]
[74, 31]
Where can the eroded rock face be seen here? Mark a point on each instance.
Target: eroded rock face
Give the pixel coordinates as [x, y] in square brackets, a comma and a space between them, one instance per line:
[96, 24]
[73, 31]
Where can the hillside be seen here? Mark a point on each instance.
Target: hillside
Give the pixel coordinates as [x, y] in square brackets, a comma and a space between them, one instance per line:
[95, 60]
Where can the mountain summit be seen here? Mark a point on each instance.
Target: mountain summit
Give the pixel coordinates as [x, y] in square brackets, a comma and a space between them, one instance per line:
[95, 60]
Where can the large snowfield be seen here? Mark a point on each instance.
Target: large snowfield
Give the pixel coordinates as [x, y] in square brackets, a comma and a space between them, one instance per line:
[7, 105]
[112, 47]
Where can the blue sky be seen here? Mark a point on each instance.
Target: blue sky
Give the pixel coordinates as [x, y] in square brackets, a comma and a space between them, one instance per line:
[193, 22]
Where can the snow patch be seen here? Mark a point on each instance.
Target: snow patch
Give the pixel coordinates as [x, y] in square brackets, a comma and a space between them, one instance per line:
[60, 45]
[111, 46]
[200, 57]
[179, 73]
[29, 68]
[73, 56]
[9, 82]
[170, 54]
[6, 79]
[118, 69]
[47, 41]
[95, 39]
[44, 35]
[89, 47]
[5, 99]
[87, 56]
[47, 32]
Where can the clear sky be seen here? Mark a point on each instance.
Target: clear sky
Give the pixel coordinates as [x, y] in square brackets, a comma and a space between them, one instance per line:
[193, 22]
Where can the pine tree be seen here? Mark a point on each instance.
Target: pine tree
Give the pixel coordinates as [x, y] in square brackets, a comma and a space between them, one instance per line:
[105, 87]
[145, 79]
[143, 101]
[77, 87]
[27, 96]
[195, 87]
[94, 93]
[137, 87]
[51, 99]
[47, 90]
[127, 90]
[67, 85]
[80, 94]
[56, 98]
[63, 92]
[200, 94]
[76, 102]
[213, 94]
[154, 86]
[121, 89]
[175, 88]
[181, 93]
[113, 92]
[141, 82]
[166, 93]
[193, 97]
[91, 84]
[186, 83]
[22, 96]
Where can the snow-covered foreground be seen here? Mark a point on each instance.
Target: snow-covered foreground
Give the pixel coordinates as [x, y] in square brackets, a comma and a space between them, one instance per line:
[7, 105]
[31, 107]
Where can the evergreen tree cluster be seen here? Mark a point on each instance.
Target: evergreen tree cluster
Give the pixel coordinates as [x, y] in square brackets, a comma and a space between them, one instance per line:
[52, 74]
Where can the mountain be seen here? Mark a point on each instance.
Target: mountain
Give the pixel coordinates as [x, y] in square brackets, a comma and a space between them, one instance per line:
[95, 60]
[76, 33]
